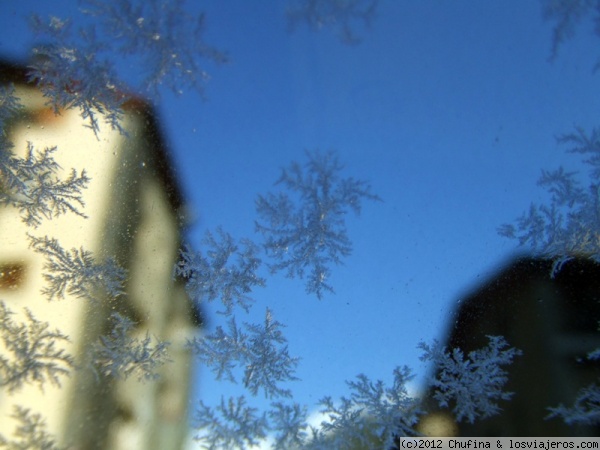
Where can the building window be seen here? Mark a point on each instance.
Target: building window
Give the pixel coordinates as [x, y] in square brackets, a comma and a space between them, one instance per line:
[12, 275]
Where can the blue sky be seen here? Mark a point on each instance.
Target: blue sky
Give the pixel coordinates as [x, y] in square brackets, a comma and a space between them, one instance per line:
[449, 109]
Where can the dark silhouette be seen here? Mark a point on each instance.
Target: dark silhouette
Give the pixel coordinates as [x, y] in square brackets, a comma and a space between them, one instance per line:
[554, 321]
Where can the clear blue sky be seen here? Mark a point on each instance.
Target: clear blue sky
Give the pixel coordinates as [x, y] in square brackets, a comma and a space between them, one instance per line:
[449, 109]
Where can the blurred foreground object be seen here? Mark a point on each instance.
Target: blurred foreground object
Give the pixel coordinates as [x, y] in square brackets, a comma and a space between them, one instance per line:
[554, 322]
[129, 218]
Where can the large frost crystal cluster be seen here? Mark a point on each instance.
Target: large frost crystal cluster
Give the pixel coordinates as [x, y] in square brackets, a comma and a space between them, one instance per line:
[569, 225]
[305, 224]
[120, 355]
[77, 273]
[372, 410]
[162, 35]
[76, 68]
[31, 352]
[215, 276]
[31, 184]
[70, 73]
[471, 385]
[261, 351]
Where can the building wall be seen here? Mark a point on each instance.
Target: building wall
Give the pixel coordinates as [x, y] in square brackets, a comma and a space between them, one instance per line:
[132, 204]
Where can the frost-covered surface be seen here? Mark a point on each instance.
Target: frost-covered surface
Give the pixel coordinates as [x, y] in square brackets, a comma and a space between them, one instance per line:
[567, 227]
[304, 234]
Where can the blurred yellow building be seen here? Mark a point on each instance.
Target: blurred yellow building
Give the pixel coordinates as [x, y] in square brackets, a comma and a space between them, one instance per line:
[134, 209]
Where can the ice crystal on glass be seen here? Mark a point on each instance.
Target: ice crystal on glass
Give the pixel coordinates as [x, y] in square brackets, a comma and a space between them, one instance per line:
[471, 384]
[31, 352]
[216, 275]
[71, 74]
[162, 36]
[76, 272]
[261, 350]
[33, 187]
[341, 16]
[232, 424]
[121, 355]
[30, 432]
[304, 225]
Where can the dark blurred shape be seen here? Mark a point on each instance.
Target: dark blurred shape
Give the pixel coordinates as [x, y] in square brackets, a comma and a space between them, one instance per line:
[11, 275]
[554, 321]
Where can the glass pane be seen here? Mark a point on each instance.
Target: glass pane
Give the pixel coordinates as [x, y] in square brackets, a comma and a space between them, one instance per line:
[229, 218]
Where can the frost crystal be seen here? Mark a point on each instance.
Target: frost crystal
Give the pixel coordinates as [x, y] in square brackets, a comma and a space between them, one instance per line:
[372, 413]
[568, 225]
[585, 411]
[391, 410]
[76, 273]
[261, 351]
[567, 14]
[120, 356]
[339, 15]
[471, 384]
[289, 422]
[31, 352]
[305, 227]
[214, 276]
[10, 107]
[232, 425]
[30, 433]
[167, 41]
[70, 74]
[34, 189]
[345, 423]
